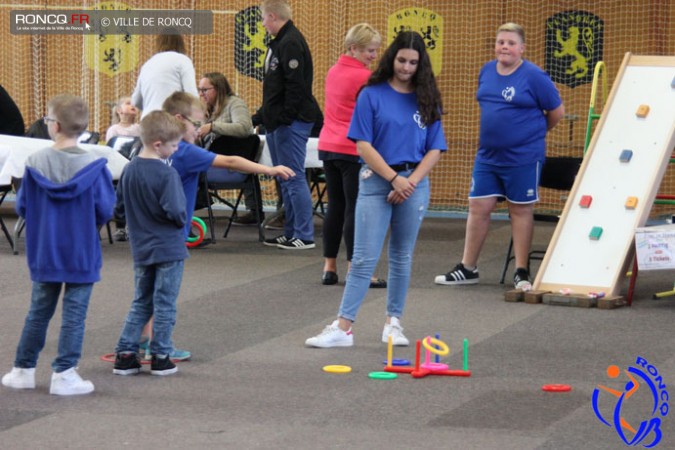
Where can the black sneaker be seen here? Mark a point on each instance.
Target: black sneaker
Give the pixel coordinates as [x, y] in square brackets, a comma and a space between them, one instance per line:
[273, 242]
[521, 279]
[458, 275]
[127, 364]
[296, 244]
[121, 235]
[162, 366]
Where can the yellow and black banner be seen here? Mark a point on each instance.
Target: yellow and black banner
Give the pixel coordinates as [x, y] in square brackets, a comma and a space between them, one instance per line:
[250, 43]
[573, 46]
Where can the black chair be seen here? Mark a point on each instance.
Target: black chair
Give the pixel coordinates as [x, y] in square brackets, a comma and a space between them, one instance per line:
[217, 179]
[89, 137]
[316, 177]
[4, 190]
[117, 142]
[558, 173]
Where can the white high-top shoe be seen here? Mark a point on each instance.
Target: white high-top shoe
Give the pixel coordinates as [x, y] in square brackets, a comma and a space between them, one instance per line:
[69, 382]
[20, 378]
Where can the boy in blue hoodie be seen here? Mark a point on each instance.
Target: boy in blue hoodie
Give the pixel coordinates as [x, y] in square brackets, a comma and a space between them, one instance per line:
[66, 195]
[150, 197]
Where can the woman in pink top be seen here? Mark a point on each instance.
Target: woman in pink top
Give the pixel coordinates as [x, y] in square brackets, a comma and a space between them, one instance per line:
[340, 160]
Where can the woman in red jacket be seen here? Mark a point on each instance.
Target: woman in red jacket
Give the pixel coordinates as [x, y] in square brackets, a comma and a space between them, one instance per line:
[340, 159]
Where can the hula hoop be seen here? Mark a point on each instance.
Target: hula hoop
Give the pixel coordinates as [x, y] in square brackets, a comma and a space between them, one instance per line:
[441, 348]
[193, 243]
[197, 221]
[110, 357]
[200, 222]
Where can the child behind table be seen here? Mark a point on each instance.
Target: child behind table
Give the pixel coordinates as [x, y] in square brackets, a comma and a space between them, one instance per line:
[124, 120]
[150, 197]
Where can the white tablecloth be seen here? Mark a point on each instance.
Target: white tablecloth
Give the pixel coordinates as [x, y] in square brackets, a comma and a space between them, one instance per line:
[14, 151]
[312, 160]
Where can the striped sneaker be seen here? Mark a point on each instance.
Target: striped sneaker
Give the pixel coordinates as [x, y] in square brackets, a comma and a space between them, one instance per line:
[521, 279]
[296, 244]
[273, 242]
[458, 275]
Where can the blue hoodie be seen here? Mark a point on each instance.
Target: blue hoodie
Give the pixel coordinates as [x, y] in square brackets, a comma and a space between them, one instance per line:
[62, 223]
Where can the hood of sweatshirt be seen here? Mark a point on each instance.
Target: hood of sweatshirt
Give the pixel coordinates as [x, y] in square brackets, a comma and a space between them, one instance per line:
[80, 182]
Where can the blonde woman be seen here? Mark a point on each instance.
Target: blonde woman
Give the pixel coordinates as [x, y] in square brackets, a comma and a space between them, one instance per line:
[341, 162]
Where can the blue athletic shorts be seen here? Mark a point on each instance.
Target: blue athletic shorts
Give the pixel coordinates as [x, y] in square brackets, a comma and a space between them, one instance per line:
[518, 184]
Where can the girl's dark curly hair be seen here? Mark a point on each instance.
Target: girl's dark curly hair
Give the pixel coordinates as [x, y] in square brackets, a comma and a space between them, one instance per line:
[428, 96]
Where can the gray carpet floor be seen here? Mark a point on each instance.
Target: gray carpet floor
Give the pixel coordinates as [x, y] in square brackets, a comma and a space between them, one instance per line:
[245, 311]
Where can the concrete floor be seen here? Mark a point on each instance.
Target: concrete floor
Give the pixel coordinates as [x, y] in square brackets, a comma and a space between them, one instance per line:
[245, 311]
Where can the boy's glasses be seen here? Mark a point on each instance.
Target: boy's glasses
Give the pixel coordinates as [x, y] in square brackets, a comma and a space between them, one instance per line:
[196, 123]
[204, 90]
[47, 119]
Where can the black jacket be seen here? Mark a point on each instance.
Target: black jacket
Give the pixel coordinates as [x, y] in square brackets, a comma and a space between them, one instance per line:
[287, 86]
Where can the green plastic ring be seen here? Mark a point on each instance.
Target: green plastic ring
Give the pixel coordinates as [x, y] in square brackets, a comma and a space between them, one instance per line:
[382, 375]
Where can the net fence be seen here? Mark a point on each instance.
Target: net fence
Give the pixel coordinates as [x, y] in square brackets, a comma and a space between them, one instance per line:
[566, 38]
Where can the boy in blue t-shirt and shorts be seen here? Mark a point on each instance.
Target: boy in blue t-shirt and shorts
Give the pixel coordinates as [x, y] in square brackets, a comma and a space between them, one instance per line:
[519, 103]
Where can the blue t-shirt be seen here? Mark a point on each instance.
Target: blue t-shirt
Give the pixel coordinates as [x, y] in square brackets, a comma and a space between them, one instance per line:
[390, 121]
[512, 121]
[189, 161]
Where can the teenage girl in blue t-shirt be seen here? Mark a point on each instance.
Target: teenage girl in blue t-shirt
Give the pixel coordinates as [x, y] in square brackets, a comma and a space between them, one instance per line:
[519, 103]
[397, 129]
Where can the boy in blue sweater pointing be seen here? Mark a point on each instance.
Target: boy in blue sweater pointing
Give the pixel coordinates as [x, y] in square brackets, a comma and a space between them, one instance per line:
[65, 196]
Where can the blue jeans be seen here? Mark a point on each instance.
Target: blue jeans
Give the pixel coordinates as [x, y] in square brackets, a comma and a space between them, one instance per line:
[43, 302]
[288, 147]
[374, 216]
[157, 287]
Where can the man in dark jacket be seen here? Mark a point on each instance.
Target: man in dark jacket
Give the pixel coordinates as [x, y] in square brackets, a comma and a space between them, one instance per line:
[288, 113]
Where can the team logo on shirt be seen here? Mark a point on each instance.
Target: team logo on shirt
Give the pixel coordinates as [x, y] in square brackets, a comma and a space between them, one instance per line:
[573, 46]
[250, 43]
[111, 54]
[417, 117]
[427, 23]
[508, 93]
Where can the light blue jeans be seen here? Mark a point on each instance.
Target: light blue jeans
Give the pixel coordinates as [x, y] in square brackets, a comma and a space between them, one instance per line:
[288, 147]
[374, 217]
[157, 287]
[43, 302]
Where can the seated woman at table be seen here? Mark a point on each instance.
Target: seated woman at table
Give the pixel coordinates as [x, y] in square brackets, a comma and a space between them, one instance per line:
[226, 115]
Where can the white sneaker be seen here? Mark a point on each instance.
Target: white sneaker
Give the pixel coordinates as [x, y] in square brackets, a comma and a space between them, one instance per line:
[395, 330]
[69, 382]
[20, 378]
[331, 336]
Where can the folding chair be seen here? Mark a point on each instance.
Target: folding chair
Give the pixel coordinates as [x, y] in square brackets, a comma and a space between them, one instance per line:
[89, 137]
[117, 142]
[4, 190]
[558, 173]
[317, 185]
[217, 179]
